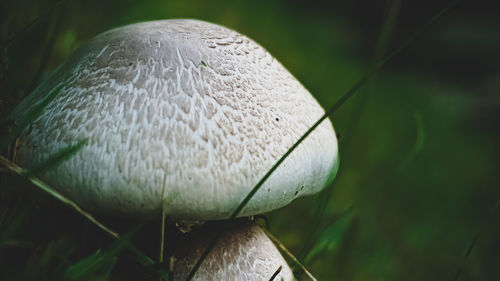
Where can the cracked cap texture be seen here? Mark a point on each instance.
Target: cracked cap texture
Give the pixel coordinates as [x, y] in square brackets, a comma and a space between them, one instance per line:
[183, 115]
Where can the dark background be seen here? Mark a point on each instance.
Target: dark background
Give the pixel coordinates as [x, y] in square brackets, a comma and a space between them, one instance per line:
[419, 144]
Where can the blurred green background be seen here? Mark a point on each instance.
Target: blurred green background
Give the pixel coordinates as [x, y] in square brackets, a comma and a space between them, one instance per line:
[419, 144]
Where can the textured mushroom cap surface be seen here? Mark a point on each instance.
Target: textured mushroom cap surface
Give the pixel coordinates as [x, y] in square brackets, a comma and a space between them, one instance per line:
[184, 112]
[244, 252]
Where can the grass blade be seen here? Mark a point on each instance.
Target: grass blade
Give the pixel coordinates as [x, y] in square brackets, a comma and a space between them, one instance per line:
[276, 273]
[56, 159]
[9, 225]
[23, 30]
[473, 243]
[419, 141]
[86, 267]
[141, 257]
[323, 198]
[30, 117]
[45, 187]
[329, 112]
[289, 254]
[331, 236]
[381, 47]
[48, 48]
[162, 231]
[99, 261]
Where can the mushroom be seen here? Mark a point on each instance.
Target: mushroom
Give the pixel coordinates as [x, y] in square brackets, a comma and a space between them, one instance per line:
[179, 115]
[244, 252]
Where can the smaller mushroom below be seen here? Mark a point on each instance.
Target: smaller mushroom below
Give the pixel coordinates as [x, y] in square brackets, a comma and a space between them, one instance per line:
[244, 252]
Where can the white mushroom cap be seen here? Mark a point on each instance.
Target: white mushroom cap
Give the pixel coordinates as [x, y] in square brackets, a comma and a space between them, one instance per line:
[181, 111]
[244, 253]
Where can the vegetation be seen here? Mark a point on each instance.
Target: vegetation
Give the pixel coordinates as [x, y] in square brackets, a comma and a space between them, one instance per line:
[416, 195]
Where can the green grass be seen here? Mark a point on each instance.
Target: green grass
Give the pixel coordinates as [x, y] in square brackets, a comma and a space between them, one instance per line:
[381, 223]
